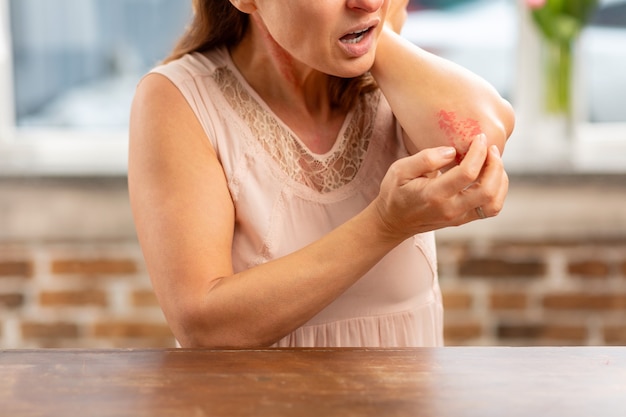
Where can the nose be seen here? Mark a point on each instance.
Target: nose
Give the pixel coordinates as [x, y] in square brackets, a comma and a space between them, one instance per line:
[365, 5]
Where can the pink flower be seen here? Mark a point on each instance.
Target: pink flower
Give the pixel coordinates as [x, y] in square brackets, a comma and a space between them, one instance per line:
[535, 4]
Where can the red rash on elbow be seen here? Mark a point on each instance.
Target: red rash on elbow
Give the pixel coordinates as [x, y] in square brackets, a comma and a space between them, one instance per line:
[459, 133]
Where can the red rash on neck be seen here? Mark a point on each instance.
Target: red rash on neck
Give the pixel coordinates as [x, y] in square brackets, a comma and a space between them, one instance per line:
[459, 133]
[284, 60]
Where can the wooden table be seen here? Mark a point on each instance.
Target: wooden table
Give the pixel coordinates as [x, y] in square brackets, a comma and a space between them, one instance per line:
[444, 382]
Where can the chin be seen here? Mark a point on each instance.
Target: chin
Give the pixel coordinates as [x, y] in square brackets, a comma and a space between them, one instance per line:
[354, 68]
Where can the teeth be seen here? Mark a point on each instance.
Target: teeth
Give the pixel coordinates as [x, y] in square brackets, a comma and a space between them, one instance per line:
[354, 40]
[360, 34]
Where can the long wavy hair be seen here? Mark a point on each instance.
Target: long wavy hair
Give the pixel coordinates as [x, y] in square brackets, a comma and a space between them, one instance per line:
[218, 23]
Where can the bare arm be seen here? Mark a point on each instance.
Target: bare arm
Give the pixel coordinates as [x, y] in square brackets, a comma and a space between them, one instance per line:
[436, 101]
[184, 217]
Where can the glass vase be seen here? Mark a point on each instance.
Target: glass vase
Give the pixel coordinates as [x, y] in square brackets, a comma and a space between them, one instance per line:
[558, 61]
[558, 73]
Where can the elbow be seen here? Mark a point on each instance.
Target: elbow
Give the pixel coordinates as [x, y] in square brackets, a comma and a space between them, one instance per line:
[196, 331]
[501, 124]
[209, 340]
[508, 118]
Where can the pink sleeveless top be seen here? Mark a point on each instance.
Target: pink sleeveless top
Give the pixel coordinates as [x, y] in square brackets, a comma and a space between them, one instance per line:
[286, 197]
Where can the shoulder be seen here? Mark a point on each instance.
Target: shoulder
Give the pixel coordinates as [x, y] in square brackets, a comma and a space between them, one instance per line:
[156, 96]
[179, 92]
[188, 81]
[160, 110]
[193, 65]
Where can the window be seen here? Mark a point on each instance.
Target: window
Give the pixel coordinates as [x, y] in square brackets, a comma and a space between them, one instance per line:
[604, 64]
[497, 40]
[457, 30]
[69, 70]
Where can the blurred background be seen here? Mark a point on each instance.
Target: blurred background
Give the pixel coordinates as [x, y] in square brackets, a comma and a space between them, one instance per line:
[550, 270]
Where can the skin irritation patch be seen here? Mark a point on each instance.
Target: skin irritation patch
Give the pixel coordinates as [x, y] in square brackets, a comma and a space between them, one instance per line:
[459, 133]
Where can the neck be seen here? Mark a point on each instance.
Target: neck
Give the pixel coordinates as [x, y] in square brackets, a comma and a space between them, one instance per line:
[277, 76]
[296, 93]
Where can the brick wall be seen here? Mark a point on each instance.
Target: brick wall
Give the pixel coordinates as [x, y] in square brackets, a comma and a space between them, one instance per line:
[535, 293]
[550, 270]
[71, 271]
[77, 294]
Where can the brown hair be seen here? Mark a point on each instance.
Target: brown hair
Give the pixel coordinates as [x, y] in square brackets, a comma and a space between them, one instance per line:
[219, 23]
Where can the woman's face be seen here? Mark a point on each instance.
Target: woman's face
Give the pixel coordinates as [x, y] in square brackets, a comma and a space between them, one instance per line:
[336, 37]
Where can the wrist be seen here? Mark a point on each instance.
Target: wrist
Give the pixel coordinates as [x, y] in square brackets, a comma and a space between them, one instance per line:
[380, 229]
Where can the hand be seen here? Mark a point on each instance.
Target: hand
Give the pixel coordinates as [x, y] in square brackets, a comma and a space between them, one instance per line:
[396, 14]
[415, 197]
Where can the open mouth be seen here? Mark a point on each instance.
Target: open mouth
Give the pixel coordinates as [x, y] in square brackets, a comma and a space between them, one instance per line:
[355, 37]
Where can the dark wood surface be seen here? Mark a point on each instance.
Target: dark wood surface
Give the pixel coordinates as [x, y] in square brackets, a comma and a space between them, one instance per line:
[444, 382]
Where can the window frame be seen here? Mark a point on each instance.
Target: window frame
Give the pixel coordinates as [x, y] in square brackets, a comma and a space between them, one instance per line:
[596, 148]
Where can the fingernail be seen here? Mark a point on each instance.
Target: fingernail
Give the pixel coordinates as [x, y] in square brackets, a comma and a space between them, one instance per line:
[447, 151]
[495, 151]
[482, 138]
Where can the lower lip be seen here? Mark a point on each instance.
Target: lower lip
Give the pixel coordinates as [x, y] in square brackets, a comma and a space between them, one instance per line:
[361, 47]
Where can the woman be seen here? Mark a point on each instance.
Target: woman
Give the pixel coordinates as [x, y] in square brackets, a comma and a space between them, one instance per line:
[288, 164]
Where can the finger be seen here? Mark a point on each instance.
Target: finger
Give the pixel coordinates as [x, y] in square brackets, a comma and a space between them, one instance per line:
[480, 213]
[422, 163]
[492, 170]
[490, 190]
[468, 171]
[495, 181]
[475, 159]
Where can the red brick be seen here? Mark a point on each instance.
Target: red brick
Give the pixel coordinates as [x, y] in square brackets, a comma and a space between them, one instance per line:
[73, 298]
[460, 332]
[519, 331]
[615, 335]
[496, 268]
[21, 269]
[546, 332]
[37, 330]
[11, 300]
[94, 267]
[457, 300]
[572, 333]
[585, 301]
[144, 298]
[508, 301]
[592, 269]
[121, 329]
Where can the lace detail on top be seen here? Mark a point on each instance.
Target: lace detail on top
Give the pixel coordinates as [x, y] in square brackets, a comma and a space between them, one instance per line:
[323, 173]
